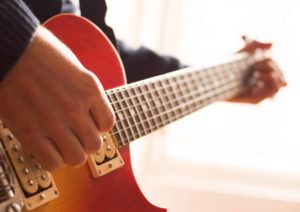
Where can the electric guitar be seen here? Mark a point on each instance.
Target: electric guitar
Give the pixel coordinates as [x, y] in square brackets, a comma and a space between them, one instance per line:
[106, 182]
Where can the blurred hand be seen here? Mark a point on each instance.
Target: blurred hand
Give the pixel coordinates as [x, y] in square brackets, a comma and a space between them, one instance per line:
[266, 73]
[53, 105]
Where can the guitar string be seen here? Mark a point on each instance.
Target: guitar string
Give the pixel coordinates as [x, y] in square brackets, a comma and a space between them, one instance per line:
[165, 104]
[118, 131]
[190, 102]
[175, 75]
[176, 108]
[246, 60]
[143, 112]
[204, 89]
[190, 94]
[116, 91]
[128, 139]
[169, 86]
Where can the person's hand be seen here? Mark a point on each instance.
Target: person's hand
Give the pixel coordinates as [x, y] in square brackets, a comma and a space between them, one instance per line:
[266, 73]
[53, 105]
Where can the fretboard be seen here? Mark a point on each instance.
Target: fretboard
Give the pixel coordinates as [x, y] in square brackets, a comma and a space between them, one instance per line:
[148, 105]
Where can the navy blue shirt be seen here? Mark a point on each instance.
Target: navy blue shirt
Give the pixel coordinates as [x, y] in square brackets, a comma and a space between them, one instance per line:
[15, 16]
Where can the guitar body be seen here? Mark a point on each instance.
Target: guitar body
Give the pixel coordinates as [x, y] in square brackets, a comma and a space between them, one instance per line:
[78, 189]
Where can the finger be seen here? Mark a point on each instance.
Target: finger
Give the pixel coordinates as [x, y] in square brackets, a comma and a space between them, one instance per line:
[87, 133]
[267, 66]
[100, 109]
[267, 86]
[103, 116]
[278, 72]
[34, 142]
[263, 66]
[252, 46]
[68, 145]
[44, 151]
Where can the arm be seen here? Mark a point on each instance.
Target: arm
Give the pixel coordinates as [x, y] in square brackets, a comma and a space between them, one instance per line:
[53, 105]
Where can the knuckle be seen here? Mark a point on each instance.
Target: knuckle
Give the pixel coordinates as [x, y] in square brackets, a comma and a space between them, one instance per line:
[93, 88]
[75, 108]
[73, 103]
[66, 101]
[92, 77]
[92, 82]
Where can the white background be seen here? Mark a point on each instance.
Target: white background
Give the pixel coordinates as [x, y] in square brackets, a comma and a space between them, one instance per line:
[226, 152]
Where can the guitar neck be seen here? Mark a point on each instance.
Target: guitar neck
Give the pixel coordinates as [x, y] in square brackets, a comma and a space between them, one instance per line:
[150, 104]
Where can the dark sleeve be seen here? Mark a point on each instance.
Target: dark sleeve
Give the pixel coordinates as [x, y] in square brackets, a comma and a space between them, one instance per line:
[17, 24]
[143, 63]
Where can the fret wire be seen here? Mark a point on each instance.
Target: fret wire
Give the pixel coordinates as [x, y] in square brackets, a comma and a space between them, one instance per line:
[163, 108]
[188, 87]
[169, 98]
[125, 122]
[194, 109]
[119, 124]
[207, 102]
[171, 74]
[191, 93]
[176, 100]
[148, 112]
[113, 98]
[144, 107]
[158, 102]
[153, 103]
[204, 90]
[138, 114]
[142, 94]
[128, 121]
[133, 112]
[187, 112]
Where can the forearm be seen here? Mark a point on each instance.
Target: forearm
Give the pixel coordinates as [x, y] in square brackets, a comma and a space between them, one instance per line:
[17, 25]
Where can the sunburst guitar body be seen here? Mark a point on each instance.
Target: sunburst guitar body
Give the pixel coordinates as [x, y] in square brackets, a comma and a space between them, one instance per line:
[106, 182]
[78, 189]
[105, 186]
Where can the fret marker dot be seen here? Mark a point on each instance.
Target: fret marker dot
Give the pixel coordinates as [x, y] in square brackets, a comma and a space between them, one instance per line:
[144, 107]
[121, 116]
[132, 112]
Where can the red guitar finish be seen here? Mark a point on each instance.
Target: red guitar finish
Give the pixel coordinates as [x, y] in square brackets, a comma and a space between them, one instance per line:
[79, 191]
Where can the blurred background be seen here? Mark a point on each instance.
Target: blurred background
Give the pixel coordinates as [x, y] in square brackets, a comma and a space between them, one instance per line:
[226, 157]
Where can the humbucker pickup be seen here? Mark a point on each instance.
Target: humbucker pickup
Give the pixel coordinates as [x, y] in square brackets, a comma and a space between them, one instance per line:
[35, 185]
[107, 159]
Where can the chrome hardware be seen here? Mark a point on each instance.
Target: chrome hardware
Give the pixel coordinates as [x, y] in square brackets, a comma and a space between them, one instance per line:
[14, 207]
[34, 185]
[10, 198]
[107, 159]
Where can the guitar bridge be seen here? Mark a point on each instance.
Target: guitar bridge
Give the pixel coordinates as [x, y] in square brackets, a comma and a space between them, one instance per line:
[10, 199]
[36, 186]
[107, 159]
